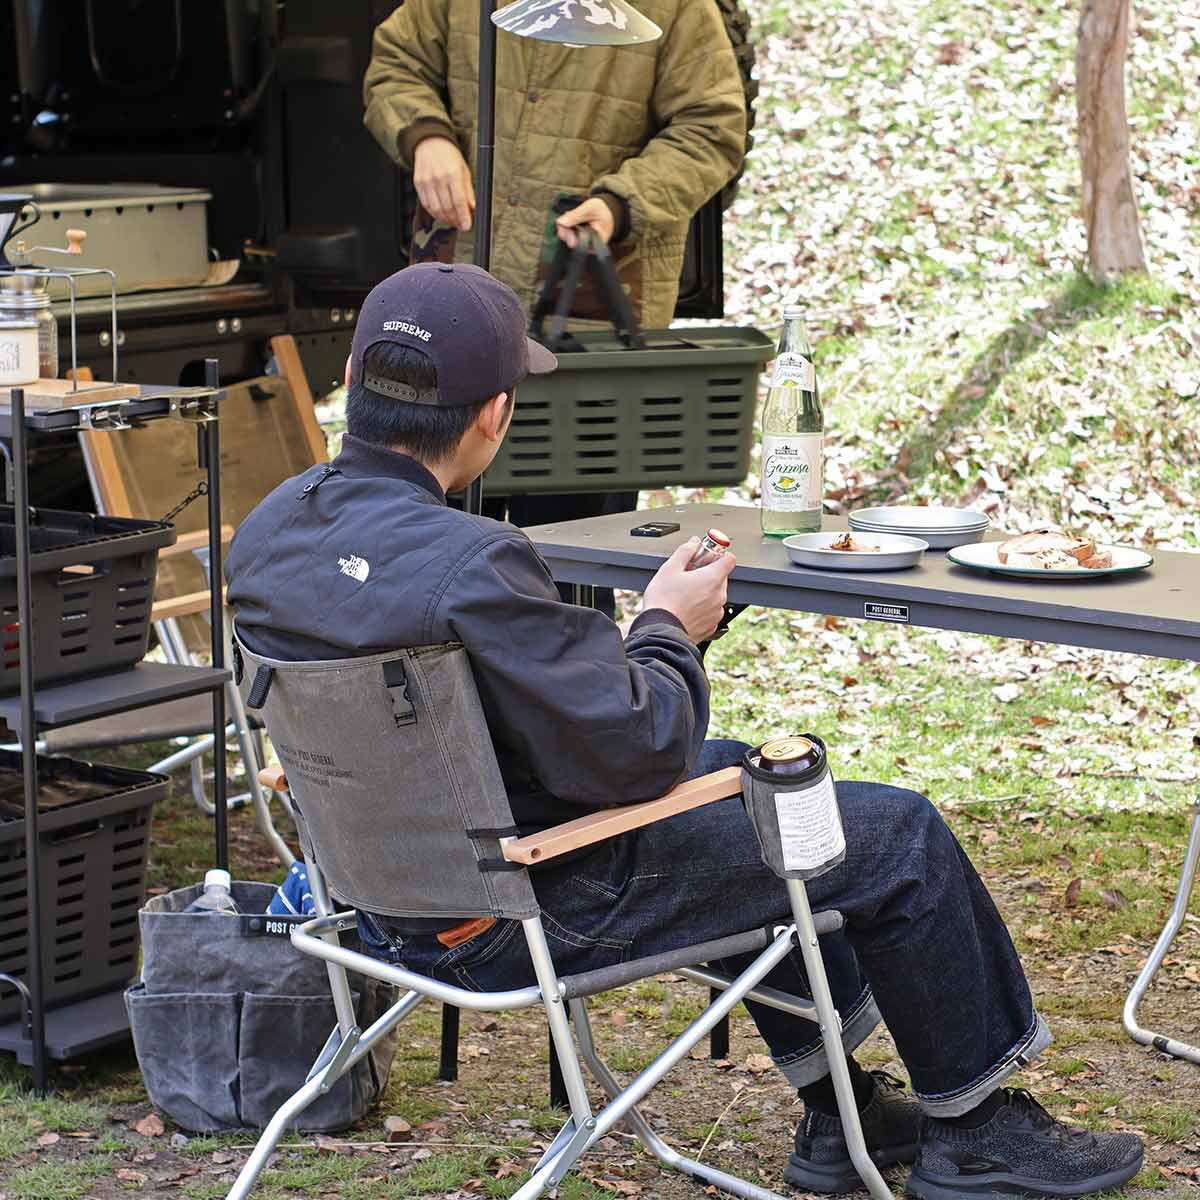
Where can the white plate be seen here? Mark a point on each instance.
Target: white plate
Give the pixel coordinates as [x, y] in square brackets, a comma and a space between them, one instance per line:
[983, 557]
[919, 518]
[812, 550]
[937, 539]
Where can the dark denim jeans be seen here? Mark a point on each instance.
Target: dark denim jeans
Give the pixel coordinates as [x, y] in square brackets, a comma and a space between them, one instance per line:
[923, 944]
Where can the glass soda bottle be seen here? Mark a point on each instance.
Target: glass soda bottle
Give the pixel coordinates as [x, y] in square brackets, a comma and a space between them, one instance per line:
[793, 427]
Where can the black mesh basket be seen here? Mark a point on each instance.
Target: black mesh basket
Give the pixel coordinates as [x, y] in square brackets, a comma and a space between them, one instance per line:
[93, 585]
[93, 834]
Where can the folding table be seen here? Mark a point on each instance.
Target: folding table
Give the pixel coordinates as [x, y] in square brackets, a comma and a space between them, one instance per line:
[1153, 612]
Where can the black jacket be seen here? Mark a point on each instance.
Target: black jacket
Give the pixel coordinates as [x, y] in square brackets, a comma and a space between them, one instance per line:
[365, 556]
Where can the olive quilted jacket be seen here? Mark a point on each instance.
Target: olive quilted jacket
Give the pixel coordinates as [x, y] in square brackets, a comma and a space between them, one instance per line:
[660, 125]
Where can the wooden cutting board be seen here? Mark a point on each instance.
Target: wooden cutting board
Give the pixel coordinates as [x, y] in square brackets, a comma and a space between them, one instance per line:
[57, 393]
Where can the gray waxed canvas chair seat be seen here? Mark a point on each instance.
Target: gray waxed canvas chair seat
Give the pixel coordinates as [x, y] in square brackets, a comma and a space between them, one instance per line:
[401, 809]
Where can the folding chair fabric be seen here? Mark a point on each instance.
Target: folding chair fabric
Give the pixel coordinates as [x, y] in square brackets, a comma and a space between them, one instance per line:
[390, 766]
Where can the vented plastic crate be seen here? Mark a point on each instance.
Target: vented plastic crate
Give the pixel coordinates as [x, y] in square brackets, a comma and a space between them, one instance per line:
[93, 585]
[679, 412]
[93, 834]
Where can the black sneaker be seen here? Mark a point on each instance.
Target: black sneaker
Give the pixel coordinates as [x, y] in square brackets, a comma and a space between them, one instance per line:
[1021, 1151]
[890, 1123]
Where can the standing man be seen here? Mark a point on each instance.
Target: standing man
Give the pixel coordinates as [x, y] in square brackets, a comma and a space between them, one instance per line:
[631, 140]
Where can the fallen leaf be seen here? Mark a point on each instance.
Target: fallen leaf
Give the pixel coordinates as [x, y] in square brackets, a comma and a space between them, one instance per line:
[506, 1168]
[1113, 898]
[47, 1139]
[128, 1175]
[150, 1126]
[1006, 693]
[421, 1155]
[1071, 896]
[328, 1145]
[222, 1156]
[758, 1064]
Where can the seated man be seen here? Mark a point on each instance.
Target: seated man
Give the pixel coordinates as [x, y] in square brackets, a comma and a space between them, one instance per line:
[363, 556]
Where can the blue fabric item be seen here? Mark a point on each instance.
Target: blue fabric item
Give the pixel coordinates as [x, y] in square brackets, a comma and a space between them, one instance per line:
[292, 897]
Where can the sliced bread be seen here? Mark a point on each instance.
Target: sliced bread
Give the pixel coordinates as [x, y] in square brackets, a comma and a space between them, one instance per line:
[1043, 541]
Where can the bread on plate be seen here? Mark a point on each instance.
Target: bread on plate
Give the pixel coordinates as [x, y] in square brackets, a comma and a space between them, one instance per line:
[1051, 547]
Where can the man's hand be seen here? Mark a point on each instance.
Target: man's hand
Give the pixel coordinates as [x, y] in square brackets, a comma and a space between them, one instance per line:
[443, 182]
[696, 597]
[593, 211]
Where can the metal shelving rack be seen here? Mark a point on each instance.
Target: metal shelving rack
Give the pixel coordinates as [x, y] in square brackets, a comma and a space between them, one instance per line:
[72, 1029]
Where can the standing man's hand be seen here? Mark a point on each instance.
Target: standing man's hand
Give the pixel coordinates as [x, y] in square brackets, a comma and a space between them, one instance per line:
[443, 182]
[593, 211]
[696, 597]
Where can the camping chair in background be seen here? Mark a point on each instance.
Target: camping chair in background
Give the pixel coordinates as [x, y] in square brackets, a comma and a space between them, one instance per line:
[269, 433]
[444, 846]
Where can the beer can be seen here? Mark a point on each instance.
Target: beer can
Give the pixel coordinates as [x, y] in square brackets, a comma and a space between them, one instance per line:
[793, 803]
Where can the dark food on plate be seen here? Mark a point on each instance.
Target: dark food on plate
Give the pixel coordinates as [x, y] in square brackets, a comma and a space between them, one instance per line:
[1053, 550]
[846, 542]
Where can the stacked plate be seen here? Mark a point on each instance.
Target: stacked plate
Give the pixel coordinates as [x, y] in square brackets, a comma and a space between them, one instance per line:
[941, 528]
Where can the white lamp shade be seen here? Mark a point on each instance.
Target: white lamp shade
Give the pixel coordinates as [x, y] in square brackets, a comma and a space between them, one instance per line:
[577, 22]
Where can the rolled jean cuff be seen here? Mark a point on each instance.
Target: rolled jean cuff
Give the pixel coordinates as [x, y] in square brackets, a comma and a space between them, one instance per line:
[954, 1104]
[811, 1063]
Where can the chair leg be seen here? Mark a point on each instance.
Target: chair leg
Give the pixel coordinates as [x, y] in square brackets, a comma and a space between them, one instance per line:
[558, 1086]
[718, 1040]
[448, 1064]
[831, 1035]
[665, 1153]
[315, 1086]
[1187, 880]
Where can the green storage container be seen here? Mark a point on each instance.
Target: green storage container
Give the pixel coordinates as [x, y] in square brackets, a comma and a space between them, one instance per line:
[614, 419]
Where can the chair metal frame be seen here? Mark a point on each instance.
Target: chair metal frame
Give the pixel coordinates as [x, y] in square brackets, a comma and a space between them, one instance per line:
[1187, 881]
[348, 1042]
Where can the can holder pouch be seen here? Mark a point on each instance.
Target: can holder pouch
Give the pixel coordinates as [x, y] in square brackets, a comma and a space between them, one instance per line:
[567, 268]
[228, 1017]
[794, 809]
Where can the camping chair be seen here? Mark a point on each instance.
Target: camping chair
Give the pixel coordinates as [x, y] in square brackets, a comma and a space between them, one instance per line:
[144, 472]
[444, 846]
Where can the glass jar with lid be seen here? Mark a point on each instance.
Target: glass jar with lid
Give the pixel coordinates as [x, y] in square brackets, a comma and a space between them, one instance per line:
[27, 297]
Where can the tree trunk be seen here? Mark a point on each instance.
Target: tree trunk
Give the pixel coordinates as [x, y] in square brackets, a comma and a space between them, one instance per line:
[1114, 239]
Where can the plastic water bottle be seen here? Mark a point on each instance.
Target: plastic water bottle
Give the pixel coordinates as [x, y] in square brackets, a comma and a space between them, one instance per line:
[217, 895]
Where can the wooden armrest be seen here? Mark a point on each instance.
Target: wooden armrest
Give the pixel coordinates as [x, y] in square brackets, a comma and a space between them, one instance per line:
[185, 543]
[273, 778]
[597, 827]
[187, 605]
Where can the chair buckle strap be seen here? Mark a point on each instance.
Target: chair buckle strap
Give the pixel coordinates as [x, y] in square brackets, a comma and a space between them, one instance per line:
[395, 679]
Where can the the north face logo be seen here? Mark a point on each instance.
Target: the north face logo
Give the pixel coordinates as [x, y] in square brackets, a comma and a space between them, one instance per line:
[355, 567]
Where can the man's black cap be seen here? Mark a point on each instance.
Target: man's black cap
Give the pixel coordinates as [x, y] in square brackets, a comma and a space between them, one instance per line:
[469, 324]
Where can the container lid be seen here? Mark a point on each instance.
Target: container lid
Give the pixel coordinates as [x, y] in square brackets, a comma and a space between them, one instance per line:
[722, 539]
[18, 323]
[21, 289]
[218, 878]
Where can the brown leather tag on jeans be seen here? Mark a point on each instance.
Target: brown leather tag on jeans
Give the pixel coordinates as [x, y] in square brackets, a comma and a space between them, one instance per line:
[465, 932]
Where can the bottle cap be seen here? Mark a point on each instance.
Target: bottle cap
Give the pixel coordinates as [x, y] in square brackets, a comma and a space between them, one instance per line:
[792, 312]
[720, 538]
[218, 878]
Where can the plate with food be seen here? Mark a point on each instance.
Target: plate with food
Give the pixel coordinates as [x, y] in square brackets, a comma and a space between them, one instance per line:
[854, 551]
[1051, 554]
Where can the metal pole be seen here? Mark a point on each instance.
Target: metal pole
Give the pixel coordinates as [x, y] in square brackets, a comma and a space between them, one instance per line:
[210, 433]
[448, 1063]
[485, 149]
[33, 889]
